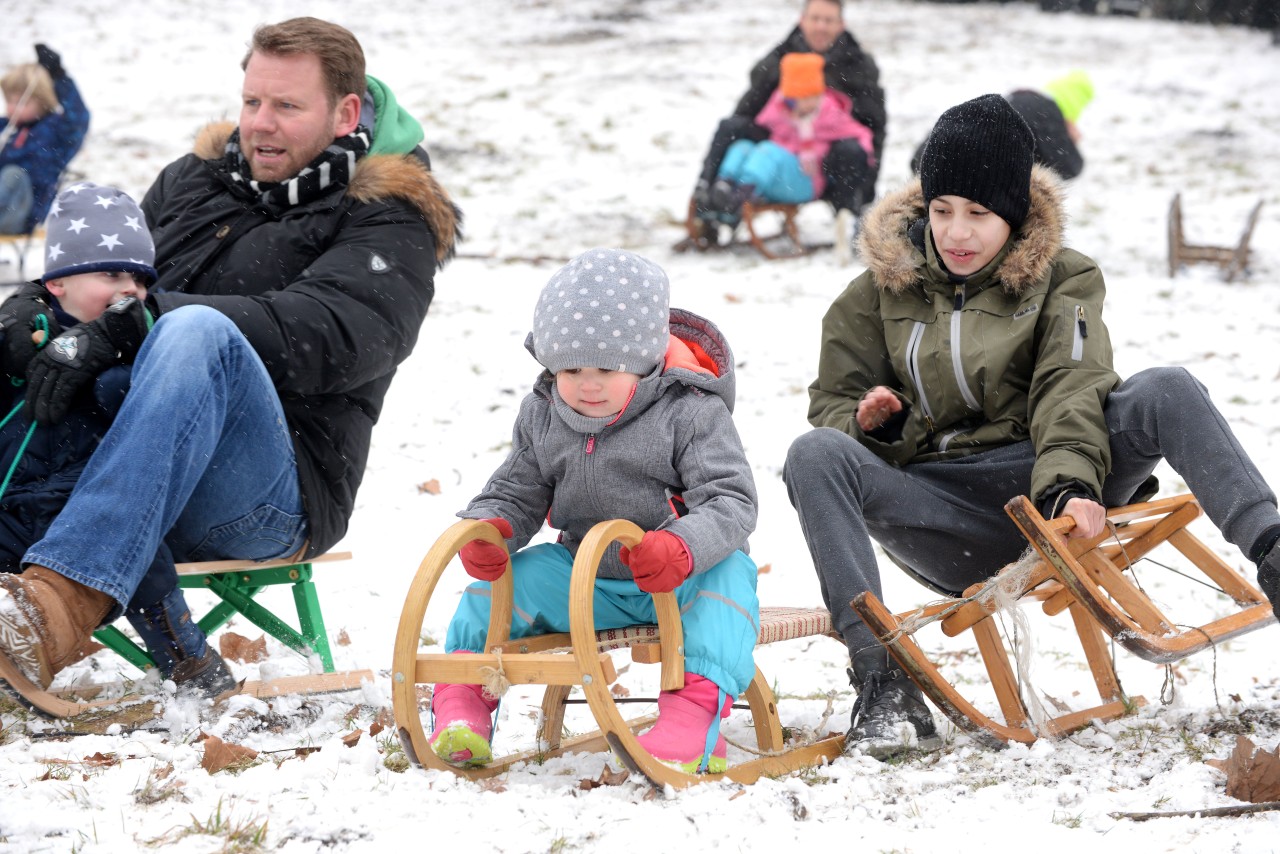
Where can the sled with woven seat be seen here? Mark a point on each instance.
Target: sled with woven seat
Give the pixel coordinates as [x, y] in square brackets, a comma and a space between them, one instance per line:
[235, 584]
[1101, 574]
[581, 659]
[784, 243]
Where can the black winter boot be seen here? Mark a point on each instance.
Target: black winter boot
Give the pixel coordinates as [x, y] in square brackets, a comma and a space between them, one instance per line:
[891, 716]
[179, 647]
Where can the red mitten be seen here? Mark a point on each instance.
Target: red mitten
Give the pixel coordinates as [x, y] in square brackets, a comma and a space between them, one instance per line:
[483, 560]
[659, 562]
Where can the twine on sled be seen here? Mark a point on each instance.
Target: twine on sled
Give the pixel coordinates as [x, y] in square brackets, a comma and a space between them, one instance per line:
[496, 684]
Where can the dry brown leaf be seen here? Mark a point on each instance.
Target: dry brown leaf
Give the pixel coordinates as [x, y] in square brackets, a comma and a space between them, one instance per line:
[344, 639]
[375, 728]
[606, 778]
[239, 648]
[304, 752]
[385, 719]
[219, 754]
[732, 298]
[618, 690]
[430, 487]
[492, 784]
[1253, 774]
[764, 569]
[351, 739]
[102, 760]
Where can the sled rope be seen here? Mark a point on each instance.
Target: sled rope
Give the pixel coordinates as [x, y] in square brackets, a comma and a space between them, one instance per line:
[496, 684]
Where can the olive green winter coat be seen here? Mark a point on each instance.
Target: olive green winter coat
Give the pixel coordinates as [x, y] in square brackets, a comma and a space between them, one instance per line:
[1016, 351]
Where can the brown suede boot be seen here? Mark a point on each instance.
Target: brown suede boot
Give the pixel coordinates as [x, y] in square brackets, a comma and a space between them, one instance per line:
[45, 619]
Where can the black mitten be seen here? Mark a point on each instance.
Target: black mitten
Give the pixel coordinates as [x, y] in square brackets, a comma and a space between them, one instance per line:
[50, 61]
[22, 314]
[78, 355]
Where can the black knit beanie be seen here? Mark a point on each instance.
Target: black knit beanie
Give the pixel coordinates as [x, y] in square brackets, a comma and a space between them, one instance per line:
[981, 150]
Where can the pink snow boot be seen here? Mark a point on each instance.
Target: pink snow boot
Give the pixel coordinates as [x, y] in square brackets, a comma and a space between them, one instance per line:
[679, 737]
[463, 724]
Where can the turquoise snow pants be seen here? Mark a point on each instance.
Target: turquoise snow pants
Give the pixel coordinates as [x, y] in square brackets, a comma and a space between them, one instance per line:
[719, 611]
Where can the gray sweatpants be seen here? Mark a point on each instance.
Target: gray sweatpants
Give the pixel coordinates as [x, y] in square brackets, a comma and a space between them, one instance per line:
[946, 520]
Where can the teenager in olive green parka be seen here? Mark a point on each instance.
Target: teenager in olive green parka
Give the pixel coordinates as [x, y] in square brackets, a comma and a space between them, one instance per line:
[967, 366]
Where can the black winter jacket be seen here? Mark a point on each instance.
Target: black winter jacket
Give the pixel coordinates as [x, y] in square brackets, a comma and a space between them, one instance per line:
[848, 69]
[330, 294]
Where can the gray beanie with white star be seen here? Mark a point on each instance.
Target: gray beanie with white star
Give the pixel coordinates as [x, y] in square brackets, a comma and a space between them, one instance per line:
[607, 309]
[93, 229]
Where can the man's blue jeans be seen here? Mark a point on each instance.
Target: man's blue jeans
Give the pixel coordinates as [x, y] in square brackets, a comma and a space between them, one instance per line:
[199, 456]
[16, 199]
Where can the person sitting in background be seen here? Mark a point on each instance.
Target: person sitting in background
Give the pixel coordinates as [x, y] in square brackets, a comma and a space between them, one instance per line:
[1052, 116]
[850, 171]
[804, 119]
[45, 123]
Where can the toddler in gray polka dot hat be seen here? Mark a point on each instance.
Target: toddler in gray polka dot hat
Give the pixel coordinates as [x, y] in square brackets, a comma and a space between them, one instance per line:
[631, 420]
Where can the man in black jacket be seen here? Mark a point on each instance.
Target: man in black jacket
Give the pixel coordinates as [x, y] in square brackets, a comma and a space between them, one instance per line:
[851, 172]
[296, 265]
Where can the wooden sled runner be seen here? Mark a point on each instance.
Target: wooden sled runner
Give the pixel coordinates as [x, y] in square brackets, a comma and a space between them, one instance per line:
[581, 659]
[235, 583]
[1093, 580]
[785, 243]
[1098, 574]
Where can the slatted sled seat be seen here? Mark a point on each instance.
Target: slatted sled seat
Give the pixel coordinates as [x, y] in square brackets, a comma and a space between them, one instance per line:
[1101, 575]
[235, 584]
[581, 659]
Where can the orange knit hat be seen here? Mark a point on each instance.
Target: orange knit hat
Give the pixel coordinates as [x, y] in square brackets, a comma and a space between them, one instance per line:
[802, 75]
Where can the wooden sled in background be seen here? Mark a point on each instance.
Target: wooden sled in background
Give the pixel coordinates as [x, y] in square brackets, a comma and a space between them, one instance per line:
[1232, 260]
[581, 659]
[235, 584]
[785, 243]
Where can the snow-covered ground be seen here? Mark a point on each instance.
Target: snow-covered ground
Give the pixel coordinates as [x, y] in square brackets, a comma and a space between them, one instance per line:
[560, 125]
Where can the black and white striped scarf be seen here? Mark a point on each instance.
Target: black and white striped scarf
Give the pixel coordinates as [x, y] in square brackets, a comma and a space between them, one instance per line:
[333, 166]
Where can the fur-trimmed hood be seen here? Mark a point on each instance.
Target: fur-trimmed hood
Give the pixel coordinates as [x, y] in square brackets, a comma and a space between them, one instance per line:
[377, 176]
[895, 262]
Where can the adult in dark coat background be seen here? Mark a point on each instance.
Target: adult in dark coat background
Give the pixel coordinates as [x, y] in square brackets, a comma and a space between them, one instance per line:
[851, 174]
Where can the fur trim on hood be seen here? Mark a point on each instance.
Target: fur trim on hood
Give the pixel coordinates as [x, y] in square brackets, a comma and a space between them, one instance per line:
[894, 261]
[377, 176]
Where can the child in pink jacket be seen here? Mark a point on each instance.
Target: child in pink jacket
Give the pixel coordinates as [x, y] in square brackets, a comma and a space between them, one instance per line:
[803, 118]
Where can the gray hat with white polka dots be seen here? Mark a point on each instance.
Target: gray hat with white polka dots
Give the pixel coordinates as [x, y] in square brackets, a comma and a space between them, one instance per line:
[607, 308]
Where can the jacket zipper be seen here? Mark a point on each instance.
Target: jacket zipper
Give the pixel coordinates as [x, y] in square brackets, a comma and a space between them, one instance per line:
[913, 368]
[957, 359]
[591, 443]
[1081, 333]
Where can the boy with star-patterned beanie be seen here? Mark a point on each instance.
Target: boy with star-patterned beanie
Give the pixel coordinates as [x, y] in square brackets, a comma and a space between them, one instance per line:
[99, 261]
[629, 420]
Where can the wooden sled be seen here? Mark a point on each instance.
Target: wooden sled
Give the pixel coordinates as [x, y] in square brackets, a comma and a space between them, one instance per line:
[1098, 574]
[581, 659]
[1232, 260]
[235, 583]
[786, 239]
[976, 612]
